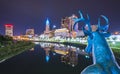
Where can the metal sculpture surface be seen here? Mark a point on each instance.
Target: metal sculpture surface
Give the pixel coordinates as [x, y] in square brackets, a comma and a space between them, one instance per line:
[103, 58]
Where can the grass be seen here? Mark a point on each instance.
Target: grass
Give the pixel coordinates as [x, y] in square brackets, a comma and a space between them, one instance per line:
[12, 50]
[115, 48]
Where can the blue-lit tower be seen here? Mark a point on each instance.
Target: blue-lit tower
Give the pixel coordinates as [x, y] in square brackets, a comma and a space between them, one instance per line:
[47, 51]
[47, 29]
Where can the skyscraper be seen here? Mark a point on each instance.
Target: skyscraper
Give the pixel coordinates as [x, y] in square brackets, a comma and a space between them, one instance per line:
[47, 29]
[9, 29]
[68, 22]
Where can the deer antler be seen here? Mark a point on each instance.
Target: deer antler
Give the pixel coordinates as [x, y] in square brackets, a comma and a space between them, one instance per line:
[82, 19]
[105, 27]
[76, 20]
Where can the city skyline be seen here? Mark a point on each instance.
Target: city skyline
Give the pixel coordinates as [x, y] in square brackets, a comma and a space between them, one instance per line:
[24, 14]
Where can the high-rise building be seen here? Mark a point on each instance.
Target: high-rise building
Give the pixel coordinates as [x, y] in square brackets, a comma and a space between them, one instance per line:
[9, 29]
[47, 28]
[30, 32]
[65, 23]
[68, 22]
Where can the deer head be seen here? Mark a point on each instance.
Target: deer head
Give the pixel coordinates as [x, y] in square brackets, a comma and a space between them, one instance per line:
[92, 28]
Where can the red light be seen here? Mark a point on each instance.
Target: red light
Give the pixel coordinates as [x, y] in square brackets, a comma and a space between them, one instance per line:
[8, 25]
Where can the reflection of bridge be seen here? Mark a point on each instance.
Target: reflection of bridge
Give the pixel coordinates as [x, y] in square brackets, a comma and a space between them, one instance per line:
[69, 54]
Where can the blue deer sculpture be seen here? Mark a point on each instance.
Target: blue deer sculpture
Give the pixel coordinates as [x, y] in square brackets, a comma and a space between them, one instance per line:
[103, 58]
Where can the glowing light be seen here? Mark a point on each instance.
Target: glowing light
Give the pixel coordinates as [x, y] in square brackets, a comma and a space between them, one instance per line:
[54, 26]
[113, 42]
[47, 22]
[87, 56]
[47, 58]
[8, 25]
[73, 65]
[67, 52]
[54, 53]
[83, 50]
[116, 33]
[78, 48]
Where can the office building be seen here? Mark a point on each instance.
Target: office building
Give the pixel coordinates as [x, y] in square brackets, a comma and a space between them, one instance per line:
[9, 29]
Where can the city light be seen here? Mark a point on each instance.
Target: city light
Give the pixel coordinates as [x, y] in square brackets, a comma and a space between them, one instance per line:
[54, 26]
[47, 22]
[47, 58]
[9, 25]
[53, 36]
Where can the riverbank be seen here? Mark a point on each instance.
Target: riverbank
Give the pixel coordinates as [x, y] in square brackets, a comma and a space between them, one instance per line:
[115, 47]
[15, 49]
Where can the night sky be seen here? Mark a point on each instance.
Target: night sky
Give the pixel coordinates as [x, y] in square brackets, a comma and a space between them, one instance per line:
[25, 14]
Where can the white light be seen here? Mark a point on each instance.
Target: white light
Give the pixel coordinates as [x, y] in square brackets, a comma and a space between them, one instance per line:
[54, 26]
[113, 42]
[83, 50]
[87, 56]
[73, 65]
[78, 49]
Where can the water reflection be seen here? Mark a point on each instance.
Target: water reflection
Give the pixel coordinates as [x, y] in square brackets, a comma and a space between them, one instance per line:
[69, 54]
[32, 49]
[49, 58]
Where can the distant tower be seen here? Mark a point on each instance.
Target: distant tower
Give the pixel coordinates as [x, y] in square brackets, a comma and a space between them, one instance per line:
[47, 29]
[9, 29]
[47, 51]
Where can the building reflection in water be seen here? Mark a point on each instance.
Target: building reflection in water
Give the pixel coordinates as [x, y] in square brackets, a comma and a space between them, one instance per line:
[69, 54]
[32, 49]
[47, 51]
[71, 57]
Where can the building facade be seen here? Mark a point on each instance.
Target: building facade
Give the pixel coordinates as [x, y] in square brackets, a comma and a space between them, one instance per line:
[47, 28]
[61, 32]
[30, 32]
[9, 29]
[68, 23]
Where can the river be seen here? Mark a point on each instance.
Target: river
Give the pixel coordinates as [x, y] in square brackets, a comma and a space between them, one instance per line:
[47, 58]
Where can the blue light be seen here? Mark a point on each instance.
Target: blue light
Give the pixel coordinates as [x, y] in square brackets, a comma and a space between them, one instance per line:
[54, 26]
[54, 53]
[87, 56]
[47, 58]
[47, 22]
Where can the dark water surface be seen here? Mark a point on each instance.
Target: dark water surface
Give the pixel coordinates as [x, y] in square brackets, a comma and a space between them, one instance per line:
[47, 59]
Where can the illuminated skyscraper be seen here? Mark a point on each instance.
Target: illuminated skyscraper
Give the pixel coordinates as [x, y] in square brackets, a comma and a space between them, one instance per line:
[47, 51]
[9, 29]
[47, 29]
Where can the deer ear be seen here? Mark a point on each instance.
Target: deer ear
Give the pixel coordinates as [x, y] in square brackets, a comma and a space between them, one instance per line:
[87, 32]
[106, 34]
[106, 28]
